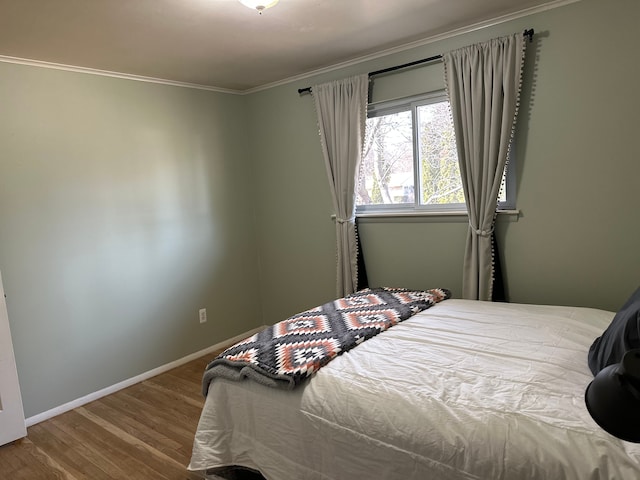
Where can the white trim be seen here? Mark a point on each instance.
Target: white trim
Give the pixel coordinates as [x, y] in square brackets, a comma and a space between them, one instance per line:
[107, 73]
[419, 43]
[41, 417]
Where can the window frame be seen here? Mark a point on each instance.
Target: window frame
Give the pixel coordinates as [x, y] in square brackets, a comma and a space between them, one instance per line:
[411, 104]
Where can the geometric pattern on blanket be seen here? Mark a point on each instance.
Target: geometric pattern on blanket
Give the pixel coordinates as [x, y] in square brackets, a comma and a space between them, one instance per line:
[287, 353]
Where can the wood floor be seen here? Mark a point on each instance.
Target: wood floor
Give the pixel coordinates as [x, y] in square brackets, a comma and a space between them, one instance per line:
[143, 432]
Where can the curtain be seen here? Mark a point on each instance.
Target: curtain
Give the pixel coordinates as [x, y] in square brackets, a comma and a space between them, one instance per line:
[341, 107]
[483, 83]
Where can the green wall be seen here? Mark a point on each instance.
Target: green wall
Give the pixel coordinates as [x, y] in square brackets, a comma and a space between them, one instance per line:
[127, 206]
[575, 242]
[123, 210]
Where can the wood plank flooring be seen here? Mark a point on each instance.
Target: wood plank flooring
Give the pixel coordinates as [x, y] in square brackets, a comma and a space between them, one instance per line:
[144, 432]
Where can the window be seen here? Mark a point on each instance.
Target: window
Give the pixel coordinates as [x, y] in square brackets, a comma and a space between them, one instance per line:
[410, 162]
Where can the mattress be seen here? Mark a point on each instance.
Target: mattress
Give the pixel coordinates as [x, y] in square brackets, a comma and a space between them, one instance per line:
[464, 390]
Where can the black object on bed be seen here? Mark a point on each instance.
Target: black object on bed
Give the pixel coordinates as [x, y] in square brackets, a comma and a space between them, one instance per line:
[622, 335]
[613, 397]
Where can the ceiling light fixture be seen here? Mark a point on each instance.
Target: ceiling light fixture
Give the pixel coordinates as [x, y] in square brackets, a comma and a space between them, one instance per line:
[259, 5]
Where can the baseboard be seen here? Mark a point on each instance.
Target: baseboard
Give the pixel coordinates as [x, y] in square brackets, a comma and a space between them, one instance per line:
[41, 417]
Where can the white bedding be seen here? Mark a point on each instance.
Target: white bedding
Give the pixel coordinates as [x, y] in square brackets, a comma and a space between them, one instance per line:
[463, 390]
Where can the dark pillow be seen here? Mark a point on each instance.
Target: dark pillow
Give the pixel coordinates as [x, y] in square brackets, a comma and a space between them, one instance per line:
[621, 335]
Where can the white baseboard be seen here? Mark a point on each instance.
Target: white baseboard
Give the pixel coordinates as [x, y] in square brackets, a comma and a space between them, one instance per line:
[137, 379]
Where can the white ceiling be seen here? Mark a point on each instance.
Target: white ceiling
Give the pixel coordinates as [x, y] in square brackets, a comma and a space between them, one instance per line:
[223, 44]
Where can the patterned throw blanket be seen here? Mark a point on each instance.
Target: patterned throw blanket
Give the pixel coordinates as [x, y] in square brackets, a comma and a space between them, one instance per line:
[288, 352]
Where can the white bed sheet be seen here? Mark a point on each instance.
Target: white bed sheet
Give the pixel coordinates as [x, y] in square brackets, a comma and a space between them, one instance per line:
[463, 390]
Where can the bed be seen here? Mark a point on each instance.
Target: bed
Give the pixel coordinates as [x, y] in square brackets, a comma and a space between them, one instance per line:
[462, 390]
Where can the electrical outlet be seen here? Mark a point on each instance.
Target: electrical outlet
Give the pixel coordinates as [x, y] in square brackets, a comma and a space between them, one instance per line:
[203, 315]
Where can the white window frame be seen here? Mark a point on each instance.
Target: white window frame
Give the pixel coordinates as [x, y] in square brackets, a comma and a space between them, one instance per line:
[411, 104]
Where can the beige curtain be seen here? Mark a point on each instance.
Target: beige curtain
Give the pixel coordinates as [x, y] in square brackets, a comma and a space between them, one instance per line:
[483, 83]
[341, 107]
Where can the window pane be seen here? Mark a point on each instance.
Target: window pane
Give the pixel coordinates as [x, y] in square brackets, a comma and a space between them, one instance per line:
[439, 170]
[387, 166]
[502, 194]
[412, 140]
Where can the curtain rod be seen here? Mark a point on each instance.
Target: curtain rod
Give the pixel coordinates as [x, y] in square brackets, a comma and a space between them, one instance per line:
[527, 33]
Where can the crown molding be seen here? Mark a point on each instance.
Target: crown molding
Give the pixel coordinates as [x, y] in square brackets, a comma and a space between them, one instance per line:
[107, 73]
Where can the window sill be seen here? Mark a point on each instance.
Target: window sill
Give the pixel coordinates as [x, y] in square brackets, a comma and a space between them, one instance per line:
[432, 216]
[426, 213]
